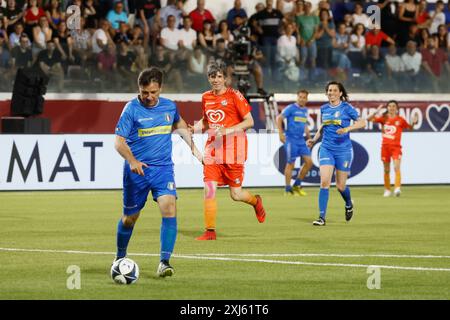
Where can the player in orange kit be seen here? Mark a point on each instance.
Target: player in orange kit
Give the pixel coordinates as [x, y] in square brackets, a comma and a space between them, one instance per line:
[392, 128]
[226, 116]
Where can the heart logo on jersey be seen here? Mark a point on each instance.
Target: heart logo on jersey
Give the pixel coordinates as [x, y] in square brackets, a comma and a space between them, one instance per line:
[390, 129]
[438, 116]
[215, 115]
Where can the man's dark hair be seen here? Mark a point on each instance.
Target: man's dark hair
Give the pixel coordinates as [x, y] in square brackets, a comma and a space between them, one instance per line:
[216, 67]
[303, 91]
[150, 75]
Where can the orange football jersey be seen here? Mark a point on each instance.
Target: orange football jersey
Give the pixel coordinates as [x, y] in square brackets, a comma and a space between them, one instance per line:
[225, 110]
[392, 129]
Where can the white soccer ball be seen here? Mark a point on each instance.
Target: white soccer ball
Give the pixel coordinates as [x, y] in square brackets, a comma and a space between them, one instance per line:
[124, 271]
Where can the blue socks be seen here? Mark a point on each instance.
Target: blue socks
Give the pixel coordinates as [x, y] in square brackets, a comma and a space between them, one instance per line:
[297, 182]
[346, 196]
[323, 202]
[123, 237]
[288, 189]
[168, 236]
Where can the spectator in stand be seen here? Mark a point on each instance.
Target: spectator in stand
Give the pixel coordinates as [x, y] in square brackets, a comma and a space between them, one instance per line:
[269, 22]
[197, 66]
[122, 34]
[4, 54]
[82, 44]
[395, 68]
[64, 44]
[299, 9]
[389, 17]
[149, 19]
[101, 37]
[14, 37]
[348, 21]
[236, 11]
[436, 66]
[408, 13]
[13, 15]
[170, 36]
[89, 12]
[437, 17]
[253, 23]
[54, 14]
[32, 17]
[443, 38]
[21, 56]
[126, 66]
[323, 5]
[288, 55]
[324, 39]
[136, 36]
[340, 47]
[222, 55]
[414, 35]
[357, 47]
[4, 33]
[412, 60]
[376, 68]
[199, 15]
[173, 8]
[424, 35]
[162, 61]
[308, 25]
[117, 15]
[423, 17]
[375, 37]
[206, 37]
[188, 36]
[49, 60]
[447, 16]
[359, 16]
[42, 33]
[287, 8]
[224, 33]
[107, 66]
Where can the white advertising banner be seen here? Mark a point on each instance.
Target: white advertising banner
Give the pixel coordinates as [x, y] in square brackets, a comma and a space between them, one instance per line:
[57, 162]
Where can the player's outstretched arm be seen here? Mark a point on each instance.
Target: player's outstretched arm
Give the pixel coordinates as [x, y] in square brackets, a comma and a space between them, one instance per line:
[124, 150]
[183, 130]
[280, 119]
[358, 124]
[200, 126]
[372, 116]
[245, 124]
[311, 142]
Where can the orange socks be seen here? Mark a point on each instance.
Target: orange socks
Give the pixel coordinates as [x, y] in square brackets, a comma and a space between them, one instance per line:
[251, 200]
[210, 213]
[387, 181]
[398, 179]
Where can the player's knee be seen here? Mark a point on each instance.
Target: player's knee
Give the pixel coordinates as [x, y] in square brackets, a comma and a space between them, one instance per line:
[236, 196]
[325, 184]
[210, 190]
[129, 221]
[340, 186]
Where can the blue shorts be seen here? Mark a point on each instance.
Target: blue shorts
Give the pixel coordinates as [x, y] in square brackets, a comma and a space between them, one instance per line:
[295, 150]
[341, 160]
[159, 179]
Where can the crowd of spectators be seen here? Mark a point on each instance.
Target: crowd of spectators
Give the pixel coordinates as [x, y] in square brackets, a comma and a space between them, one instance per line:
[101, 45]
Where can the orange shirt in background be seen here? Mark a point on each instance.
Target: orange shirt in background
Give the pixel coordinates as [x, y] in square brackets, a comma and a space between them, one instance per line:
[392, 129]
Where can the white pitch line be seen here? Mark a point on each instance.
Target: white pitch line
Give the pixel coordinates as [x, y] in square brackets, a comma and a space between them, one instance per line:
[216, 258]
[322, 255]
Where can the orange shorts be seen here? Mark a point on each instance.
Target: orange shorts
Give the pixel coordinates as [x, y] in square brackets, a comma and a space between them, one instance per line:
[224, 174]
[388, 152]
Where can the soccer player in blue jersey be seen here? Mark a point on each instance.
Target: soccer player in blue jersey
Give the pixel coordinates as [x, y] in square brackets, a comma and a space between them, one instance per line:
[336, 151]
[293, 137]
[143, 139]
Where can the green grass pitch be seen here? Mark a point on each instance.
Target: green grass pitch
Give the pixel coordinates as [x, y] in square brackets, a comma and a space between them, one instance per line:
[249, 260]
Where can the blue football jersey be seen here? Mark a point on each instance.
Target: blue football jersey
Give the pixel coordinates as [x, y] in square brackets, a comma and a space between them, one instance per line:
[296, 118]
[334, 118]
[148, 130]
